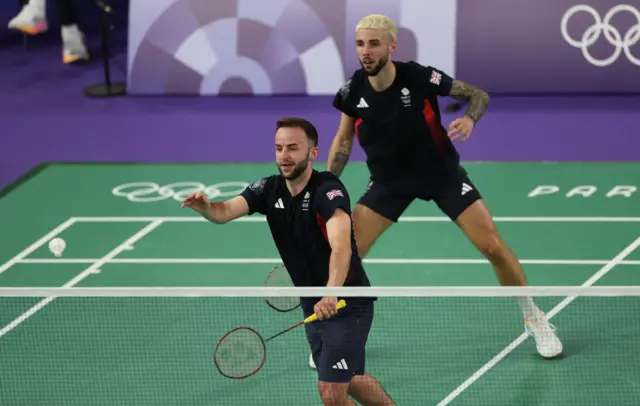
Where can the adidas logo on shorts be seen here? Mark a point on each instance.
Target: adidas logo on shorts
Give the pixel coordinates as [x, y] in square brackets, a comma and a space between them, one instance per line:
[466, 188]
[342, 364]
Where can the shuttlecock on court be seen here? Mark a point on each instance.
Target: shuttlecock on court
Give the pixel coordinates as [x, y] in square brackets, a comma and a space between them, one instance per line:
[56, 246]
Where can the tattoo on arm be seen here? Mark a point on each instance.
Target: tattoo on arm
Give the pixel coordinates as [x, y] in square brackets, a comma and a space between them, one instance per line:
[478, 99]
[340, 158]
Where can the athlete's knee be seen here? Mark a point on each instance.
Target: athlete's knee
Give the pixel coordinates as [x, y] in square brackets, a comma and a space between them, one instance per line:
[491, 244]
[334, 394]
[481, 230]
[368, 391]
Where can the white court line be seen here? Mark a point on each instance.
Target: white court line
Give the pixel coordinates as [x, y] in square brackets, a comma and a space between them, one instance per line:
[393, 261]
[113, 253]
[403, 219]
[68, 223]
[557, 309]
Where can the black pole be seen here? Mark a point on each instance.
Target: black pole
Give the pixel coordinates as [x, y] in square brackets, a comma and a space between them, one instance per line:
[106, 89]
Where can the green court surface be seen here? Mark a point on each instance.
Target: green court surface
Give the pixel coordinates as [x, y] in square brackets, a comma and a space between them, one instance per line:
[571, 224]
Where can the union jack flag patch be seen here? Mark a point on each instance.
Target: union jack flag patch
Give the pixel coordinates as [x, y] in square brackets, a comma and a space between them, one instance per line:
[435, 78]
[333, 193]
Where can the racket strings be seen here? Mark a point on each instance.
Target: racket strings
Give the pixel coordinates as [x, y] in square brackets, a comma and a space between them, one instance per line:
[240, 353]
[279, 277]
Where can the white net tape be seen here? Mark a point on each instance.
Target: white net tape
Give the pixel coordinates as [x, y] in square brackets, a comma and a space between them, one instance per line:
[395, 291]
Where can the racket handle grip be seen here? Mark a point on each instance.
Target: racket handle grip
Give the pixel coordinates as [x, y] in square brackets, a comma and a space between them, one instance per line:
[341, 304]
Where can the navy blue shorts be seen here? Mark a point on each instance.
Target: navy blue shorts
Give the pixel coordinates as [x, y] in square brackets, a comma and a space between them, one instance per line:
[338, 344]
[453, 196]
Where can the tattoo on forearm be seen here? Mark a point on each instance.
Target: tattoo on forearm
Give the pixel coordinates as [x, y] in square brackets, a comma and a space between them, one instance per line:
[478, 99]
[341, 157]
[337, 164]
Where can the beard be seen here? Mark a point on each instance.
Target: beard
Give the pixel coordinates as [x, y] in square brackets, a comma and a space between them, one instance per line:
[377, 68]
[298, 169]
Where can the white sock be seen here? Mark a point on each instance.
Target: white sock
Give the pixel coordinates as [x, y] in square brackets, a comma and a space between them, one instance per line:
[529, 309]
[39, 6]
[69, 30]
[70, 33]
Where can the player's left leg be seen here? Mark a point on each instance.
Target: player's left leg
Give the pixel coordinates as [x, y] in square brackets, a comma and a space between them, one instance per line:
[462, 202]
[335, 393]
[342, 360]
[368, 391]
[376, 210]
[331, 393]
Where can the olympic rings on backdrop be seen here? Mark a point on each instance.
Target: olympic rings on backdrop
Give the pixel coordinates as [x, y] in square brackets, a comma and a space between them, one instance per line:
[611, 33]
[144, 192]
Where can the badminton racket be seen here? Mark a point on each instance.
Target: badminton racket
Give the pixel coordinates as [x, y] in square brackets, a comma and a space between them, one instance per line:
[242, 352]
[279, 277]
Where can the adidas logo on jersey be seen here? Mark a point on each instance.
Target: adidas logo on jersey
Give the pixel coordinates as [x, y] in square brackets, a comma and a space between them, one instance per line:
[279, 204]
[362, 104]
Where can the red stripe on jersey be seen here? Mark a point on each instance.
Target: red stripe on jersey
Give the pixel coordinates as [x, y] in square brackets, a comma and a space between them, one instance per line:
[323, 226]
[434, 125]
[358, 122]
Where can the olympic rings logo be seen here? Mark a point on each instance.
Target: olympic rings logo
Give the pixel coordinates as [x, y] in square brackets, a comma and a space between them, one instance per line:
[611, 33]
[144, 192]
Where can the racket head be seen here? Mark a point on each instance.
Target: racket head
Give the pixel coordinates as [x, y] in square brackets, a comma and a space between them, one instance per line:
[240, 353]
[279, 277]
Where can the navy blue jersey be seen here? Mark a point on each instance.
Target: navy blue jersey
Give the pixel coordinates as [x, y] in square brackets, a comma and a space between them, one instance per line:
[399, 128]
[298, 227]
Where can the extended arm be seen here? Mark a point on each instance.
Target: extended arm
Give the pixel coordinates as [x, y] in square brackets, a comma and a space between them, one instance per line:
[339, 236]
[223, 212]
[477, 98]
[341, 146]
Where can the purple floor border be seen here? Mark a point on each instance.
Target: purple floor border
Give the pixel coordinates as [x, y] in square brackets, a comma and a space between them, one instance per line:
[137, 129]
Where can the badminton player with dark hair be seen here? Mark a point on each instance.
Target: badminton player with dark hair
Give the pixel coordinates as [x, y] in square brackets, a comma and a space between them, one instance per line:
[309, 214]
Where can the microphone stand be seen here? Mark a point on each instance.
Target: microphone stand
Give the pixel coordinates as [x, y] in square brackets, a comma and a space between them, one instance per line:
[108, 88]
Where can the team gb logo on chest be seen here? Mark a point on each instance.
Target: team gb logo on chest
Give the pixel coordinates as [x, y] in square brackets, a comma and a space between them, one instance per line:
[406, 97]
[305, 202]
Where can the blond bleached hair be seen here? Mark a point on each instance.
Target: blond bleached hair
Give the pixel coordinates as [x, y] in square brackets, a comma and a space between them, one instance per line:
[379, 21]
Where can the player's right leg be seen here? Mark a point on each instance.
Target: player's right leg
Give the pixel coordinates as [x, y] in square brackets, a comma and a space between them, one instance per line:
[375, 212]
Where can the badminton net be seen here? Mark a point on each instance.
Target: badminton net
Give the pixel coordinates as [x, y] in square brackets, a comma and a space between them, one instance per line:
[427, 346]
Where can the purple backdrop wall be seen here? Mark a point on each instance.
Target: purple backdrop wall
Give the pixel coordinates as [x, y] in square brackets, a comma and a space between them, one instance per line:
[573, 46]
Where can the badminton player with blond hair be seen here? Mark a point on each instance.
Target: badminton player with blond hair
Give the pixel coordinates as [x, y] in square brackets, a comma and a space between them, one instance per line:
[391, 107]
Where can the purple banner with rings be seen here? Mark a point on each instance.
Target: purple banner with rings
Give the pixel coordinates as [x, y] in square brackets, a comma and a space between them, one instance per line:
[588, 46]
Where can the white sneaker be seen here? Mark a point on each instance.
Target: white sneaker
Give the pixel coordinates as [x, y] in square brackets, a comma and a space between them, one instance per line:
[73, 47]
[29, 21]
[547, 343]
[311, 363]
